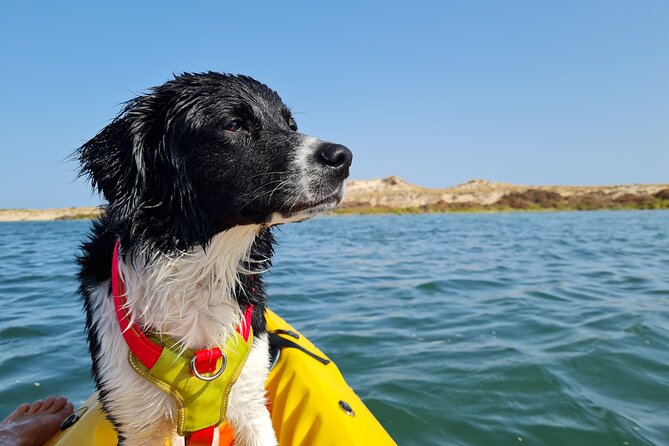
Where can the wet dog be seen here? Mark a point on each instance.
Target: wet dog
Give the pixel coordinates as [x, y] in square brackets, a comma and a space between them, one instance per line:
[195, 174]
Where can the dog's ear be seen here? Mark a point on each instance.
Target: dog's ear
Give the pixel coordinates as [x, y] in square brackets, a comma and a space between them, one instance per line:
[115, 159]
[134, 163]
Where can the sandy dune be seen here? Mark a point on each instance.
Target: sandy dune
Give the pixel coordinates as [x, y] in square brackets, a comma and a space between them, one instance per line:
[395, 193]
[47, 214]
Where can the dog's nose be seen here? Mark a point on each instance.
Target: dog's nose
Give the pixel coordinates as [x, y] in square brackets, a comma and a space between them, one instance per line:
[336, 157]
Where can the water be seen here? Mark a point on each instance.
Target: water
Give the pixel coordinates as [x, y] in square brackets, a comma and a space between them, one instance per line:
[509, 329]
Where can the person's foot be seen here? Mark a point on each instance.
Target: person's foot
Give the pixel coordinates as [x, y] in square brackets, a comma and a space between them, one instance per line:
[33, 424]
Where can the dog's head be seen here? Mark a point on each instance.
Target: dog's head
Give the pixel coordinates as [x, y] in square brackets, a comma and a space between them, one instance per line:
[206, 152]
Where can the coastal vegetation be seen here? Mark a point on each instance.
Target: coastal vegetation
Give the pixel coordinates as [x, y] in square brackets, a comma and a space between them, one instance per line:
[393, 195]
[530, 200]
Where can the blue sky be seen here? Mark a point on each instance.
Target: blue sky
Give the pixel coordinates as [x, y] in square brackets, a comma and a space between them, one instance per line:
[569, 92]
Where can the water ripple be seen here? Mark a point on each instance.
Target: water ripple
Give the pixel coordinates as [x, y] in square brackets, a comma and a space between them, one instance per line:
[455, 329]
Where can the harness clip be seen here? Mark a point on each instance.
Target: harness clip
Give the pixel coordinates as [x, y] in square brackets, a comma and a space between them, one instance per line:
[224, 362]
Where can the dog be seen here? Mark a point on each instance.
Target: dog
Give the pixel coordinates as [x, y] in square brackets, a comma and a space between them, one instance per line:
[195, 174]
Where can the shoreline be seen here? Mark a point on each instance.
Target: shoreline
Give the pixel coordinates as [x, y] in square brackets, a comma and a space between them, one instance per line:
[85, 213]
[53, 214]
[394, 196]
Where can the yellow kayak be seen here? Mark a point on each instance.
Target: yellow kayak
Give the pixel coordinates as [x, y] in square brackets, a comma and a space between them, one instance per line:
[310, 403]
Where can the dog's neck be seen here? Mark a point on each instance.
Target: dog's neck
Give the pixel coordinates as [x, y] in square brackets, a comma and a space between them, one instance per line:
[191, 297]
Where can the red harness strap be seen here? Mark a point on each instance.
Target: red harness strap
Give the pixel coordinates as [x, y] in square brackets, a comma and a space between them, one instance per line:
[244, 327]
[206, 360]
[148, 352]
[203, 437]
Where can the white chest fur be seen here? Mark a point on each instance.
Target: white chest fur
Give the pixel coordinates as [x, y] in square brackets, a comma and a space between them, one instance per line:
[190, 298]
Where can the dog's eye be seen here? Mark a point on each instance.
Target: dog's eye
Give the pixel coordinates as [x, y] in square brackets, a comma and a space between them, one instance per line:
[292, 124]
[234, 125]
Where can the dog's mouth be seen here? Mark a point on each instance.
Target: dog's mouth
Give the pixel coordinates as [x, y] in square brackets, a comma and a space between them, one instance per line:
[319, 206]
[308, 209]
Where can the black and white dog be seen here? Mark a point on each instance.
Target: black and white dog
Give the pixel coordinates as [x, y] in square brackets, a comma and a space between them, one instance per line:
[195, 174]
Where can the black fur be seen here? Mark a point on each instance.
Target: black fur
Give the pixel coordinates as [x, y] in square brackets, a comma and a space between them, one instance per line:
[193, 157]
[164, 164]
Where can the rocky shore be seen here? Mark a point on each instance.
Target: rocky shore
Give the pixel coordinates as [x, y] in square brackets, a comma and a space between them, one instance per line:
[394, 195]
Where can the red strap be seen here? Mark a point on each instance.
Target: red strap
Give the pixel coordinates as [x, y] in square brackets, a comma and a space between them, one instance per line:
[206, 360]
[203, 437]
[142, 347]
[244, 327]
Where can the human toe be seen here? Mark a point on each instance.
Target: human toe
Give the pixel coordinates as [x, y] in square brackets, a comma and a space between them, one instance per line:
[35, 407]
[48, 402]
[58, 404]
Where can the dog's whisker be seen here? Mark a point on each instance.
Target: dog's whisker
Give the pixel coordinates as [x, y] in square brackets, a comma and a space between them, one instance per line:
[264, 185]
[277, 172]
[285, 183]
[281, 185]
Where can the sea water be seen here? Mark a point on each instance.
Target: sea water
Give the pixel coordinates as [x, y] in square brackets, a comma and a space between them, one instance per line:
[471, 329]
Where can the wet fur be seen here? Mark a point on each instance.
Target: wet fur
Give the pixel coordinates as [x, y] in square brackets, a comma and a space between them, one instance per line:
[192, 203]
